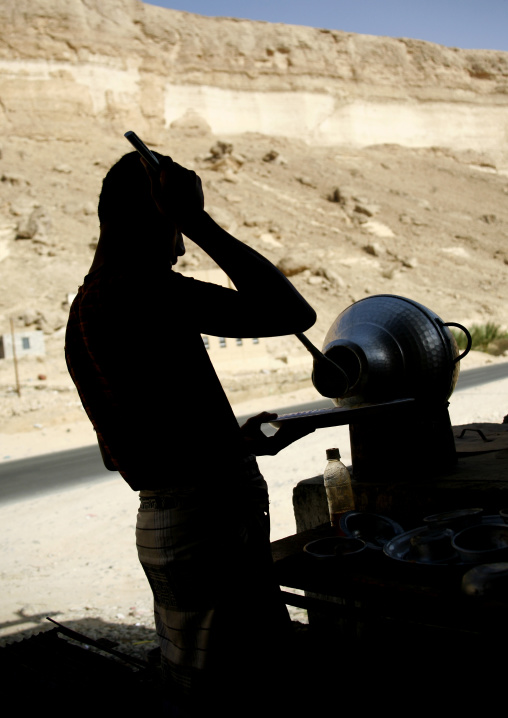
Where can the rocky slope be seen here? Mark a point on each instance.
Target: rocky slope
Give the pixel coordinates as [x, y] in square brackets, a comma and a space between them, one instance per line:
[324, 193]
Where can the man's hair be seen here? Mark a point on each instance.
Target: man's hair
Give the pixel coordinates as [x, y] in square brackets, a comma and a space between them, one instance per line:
[125, 196]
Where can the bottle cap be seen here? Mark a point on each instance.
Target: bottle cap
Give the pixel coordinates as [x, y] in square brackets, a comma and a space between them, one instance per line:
[332, 454]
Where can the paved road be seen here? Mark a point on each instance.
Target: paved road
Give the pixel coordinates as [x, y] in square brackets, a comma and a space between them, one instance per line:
[482, 375]
[50, 472]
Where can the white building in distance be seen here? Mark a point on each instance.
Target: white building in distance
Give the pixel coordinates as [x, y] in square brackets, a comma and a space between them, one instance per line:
[29, 343]
[227, 352]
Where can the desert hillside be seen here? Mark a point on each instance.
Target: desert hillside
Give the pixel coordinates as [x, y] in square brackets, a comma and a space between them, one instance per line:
[359, 165]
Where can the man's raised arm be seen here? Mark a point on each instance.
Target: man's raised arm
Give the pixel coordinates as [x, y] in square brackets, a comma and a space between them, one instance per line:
[179, 195]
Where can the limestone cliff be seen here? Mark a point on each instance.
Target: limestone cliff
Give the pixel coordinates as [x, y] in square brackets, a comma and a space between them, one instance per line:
[118, 63]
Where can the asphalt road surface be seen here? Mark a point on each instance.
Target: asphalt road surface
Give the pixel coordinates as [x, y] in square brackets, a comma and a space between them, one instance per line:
[50, 472]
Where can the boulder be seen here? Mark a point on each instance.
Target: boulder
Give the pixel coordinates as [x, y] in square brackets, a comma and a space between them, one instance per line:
[290, 265]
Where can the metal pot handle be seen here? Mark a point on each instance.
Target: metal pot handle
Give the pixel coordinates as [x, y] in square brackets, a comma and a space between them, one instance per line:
[469, 340]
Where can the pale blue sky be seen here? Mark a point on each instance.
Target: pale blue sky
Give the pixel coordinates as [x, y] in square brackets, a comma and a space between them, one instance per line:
[479, 24]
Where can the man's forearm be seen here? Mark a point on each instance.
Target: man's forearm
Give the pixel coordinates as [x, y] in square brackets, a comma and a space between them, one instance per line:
[248, 269]
[178, 194]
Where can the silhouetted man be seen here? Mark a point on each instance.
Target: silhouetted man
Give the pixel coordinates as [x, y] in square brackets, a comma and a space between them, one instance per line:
[135, 352]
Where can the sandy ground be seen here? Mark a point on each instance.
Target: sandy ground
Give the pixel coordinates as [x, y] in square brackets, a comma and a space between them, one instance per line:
[71, 554]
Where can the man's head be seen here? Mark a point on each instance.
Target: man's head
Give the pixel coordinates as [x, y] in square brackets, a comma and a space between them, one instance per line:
[126, 205]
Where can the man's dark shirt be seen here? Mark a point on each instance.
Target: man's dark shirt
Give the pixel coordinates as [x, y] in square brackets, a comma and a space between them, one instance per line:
[136, 355]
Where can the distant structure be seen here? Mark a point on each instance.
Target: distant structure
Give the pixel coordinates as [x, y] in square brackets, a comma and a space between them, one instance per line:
[235, 352]
[29, 343]
[230, 352]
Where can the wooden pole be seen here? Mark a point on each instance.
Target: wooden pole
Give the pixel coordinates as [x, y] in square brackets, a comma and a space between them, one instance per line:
[18, 387]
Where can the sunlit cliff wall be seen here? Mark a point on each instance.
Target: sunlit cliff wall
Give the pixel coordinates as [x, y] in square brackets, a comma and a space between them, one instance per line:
[68, 67]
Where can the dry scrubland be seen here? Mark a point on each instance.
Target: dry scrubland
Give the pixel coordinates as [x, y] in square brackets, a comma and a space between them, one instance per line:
[429, 224]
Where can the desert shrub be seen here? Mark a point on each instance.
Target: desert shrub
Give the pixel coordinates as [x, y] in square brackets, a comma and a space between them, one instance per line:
[481, 334]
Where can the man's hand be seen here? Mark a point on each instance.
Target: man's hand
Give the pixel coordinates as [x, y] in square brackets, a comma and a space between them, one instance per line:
[260, 445]
[177, 192]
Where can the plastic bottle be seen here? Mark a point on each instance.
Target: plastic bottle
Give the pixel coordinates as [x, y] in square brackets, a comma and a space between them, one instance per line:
[339, 491]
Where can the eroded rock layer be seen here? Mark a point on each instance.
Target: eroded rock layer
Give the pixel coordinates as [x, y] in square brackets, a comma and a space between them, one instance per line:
[67, 62]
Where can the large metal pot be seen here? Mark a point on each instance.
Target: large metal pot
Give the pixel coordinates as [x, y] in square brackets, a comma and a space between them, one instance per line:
[389, 347]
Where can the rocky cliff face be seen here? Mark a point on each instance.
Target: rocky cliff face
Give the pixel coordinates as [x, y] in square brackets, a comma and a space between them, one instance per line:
[68, 64]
